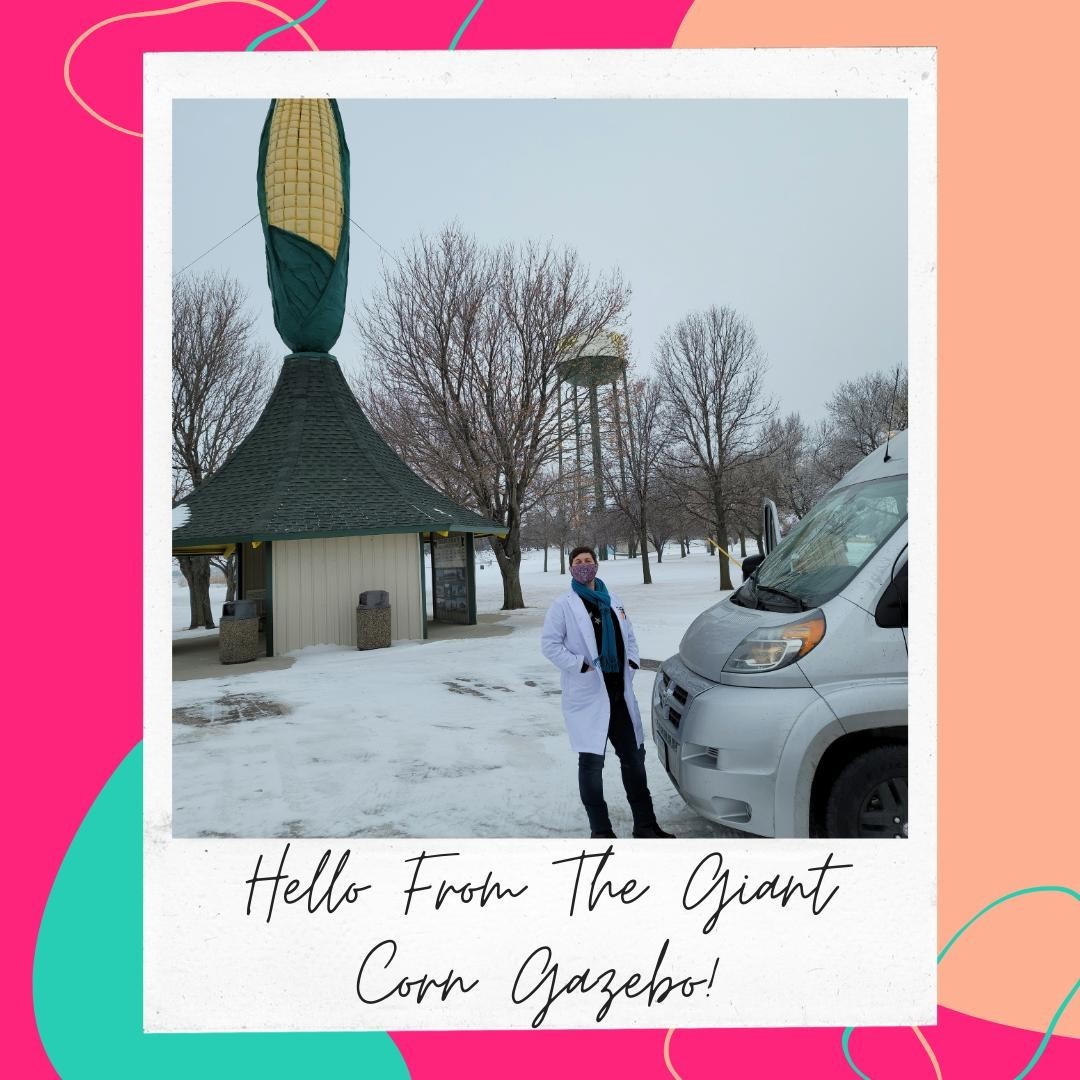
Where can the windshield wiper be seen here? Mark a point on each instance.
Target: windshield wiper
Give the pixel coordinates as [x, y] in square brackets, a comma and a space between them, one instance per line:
[780, 592]
[743, 602]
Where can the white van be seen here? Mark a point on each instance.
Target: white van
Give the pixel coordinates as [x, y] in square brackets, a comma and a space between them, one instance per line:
[785, 711]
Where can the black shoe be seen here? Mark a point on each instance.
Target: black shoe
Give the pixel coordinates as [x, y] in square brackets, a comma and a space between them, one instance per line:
[604, 834]
[652, 832]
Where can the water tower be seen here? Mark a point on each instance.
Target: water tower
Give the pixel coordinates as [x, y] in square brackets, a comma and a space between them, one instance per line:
[600, 361]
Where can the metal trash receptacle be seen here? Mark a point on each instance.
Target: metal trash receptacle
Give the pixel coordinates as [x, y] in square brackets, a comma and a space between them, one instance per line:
[373, 620]
[238, 632]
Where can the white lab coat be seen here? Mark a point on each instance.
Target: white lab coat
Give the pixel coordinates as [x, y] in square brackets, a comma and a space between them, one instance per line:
[567, 640]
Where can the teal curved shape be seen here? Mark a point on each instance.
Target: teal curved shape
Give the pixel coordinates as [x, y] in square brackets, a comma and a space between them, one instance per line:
[845, 1040]
[465, 25]
[253, 45]
[88, 975]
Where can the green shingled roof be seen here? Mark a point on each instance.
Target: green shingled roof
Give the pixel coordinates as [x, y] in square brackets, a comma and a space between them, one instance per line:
[313, 466]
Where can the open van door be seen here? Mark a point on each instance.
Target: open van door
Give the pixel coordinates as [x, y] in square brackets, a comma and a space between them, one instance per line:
[770, 527]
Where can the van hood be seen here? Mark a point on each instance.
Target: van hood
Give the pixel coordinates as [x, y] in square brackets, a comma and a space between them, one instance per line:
[714, 635]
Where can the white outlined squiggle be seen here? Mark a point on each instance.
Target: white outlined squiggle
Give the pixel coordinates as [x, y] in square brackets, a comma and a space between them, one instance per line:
[192, 4]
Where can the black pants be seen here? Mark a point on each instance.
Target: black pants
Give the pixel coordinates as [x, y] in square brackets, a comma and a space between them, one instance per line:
[632, 763]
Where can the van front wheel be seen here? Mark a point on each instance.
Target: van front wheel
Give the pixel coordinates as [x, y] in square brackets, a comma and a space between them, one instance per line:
[869, 798]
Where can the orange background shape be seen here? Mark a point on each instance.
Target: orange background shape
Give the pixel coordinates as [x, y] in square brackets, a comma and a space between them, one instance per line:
[1009, 703]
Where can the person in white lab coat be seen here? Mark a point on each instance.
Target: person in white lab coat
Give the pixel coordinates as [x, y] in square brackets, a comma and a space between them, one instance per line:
[590, 639]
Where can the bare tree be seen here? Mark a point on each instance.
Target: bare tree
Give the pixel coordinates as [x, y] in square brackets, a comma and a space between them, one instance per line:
[801, 464]
[749, 486]
[465, 342]
[862, 412]
[220, 380]
[713, 373]
[226, 565]
[663, 512]
[547, 520]
[558, 500]
[792, 475]
[641, 445]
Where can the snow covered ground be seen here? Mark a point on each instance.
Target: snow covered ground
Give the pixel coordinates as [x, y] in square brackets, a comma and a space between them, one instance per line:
[453, 738]
[181, 610]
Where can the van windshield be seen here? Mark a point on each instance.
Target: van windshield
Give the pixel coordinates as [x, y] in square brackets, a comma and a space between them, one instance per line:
[827, 548]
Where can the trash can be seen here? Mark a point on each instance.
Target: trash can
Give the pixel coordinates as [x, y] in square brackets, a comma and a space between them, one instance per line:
[373, 620]
[238, 632]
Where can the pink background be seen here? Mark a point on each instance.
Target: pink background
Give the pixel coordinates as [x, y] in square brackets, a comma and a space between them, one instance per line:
[72, 436]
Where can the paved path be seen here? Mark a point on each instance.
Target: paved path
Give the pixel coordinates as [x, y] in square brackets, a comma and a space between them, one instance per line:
[197, 658]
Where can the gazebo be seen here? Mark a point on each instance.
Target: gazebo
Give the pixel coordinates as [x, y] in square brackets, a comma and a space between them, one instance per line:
[315, 504]
[318, 508]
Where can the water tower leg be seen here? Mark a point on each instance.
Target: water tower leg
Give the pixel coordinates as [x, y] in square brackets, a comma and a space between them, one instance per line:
[598, 466]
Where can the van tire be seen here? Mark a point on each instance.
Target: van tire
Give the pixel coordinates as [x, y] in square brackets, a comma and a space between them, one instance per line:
[868, 794]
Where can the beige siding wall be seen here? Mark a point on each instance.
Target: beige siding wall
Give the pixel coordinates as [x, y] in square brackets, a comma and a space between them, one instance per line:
[317, 583]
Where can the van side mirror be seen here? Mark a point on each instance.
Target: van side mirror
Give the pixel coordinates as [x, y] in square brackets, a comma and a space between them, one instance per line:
[892, 607]
[750, 564]
[770, 525]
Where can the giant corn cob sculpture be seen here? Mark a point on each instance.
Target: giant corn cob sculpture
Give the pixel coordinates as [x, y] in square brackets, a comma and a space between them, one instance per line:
[304, 204]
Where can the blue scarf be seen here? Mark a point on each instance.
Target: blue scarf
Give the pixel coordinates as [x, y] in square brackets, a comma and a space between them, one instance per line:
[608, 660]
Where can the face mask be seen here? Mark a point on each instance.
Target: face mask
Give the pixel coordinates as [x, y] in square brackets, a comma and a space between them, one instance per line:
[584, 572]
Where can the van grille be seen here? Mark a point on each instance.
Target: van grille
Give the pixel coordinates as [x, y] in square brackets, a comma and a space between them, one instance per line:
[676, 694]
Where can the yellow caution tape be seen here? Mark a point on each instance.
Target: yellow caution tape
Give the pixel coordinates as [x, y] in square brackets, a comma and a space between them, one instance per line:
[731, 558]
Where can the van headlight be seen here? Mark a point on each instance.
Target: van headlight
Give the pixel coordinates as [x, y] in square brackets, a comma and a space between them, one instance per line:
[774, 647]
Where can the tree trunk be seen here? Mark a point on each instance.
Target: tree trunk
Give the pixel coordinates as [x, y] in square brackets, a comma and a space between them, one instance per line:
[659, 552]
[230, 577]
[725, 566]
[643, 543]
[562, 558]
[508, 555]
[742, 544]
[545, 555]
[512, 598]
[632, 547]
[196, 571]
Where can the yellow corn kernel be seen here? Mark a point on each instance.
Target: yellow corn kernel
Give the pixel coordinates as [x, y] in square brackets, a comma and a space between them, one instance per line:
[303, 158]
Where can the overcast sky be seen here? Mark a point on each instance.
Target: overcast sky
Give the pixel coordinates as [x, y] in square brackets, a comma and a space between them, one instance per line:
[792, 212]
